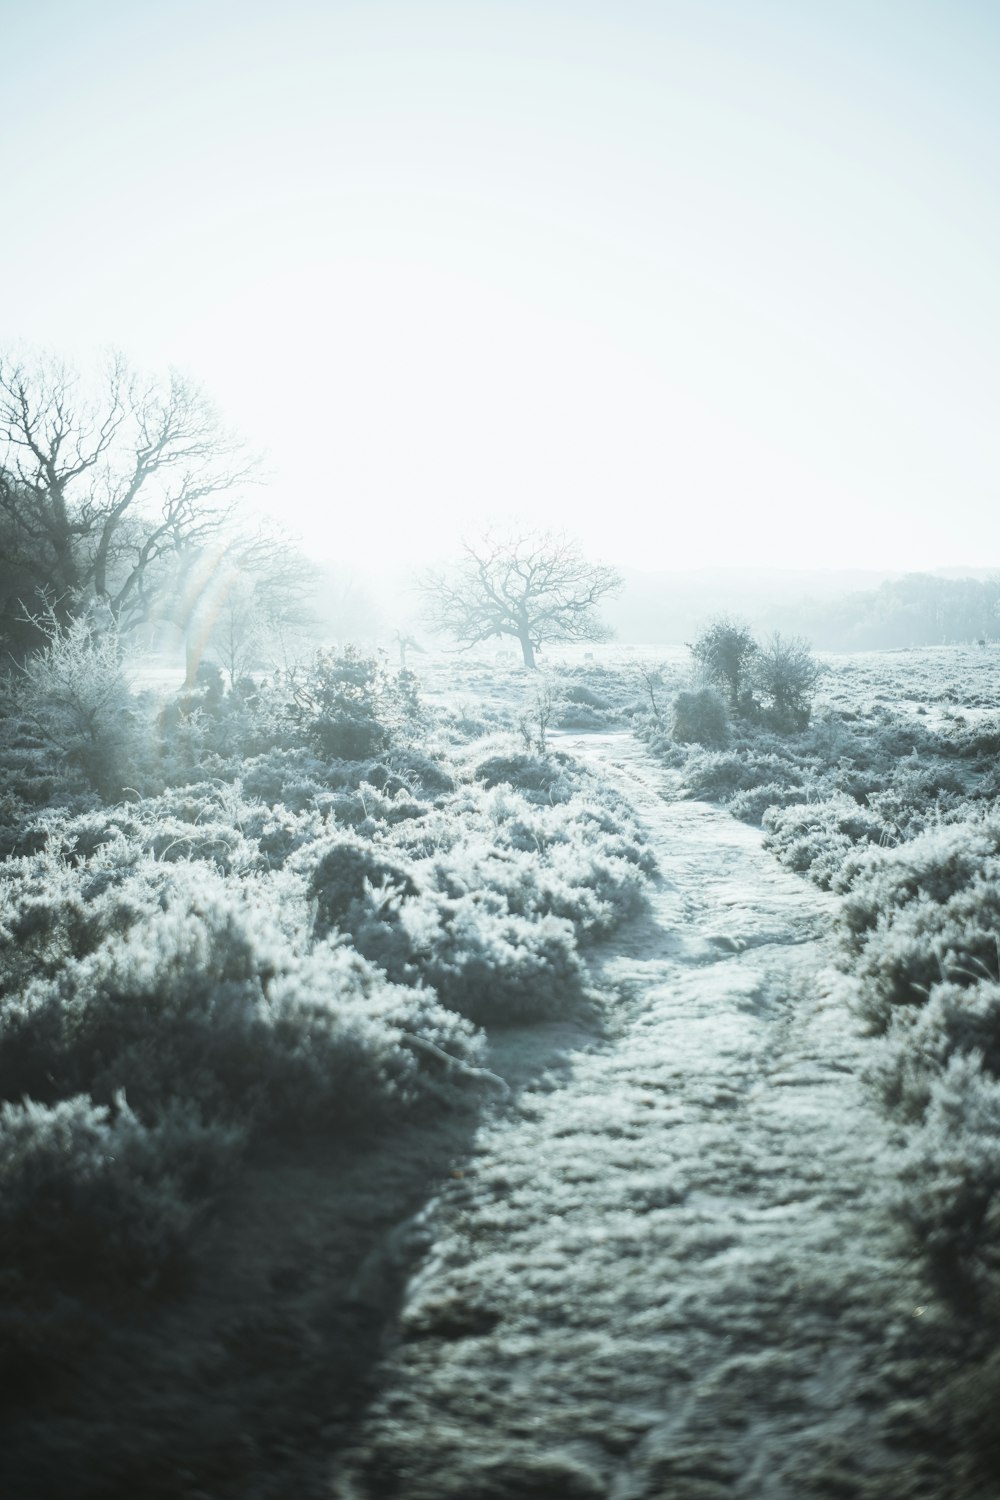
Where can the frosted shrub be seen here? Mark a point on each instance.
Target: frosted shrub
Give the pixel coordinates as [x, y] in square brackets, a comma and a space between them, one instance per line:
[935, 865]
[784, 675]
[96, 1209]
[346, 875]
[203, 1000]
[917, 796]
[699, 718]
[815, 838]
[90, 1193]
[280, 833]
[923, 943]
[423, 773]
[725, 652]
[950, 1185]
[955, 1020]
[51, 911]
[578, 693]
[595, 892]
[347, 705]
[540, 777]
[293, 777]
[490, 965]
[717, 776]
[75, 694]
[752, 803]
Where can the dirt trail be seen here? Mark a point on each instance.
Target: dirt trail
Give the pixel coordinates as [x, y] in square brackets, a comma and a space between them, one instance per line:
[664, 1273]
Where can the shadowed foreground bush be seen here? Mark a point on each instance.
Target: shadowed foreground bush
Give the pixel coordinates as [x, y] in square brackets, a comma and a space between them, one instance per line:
[202, 1000]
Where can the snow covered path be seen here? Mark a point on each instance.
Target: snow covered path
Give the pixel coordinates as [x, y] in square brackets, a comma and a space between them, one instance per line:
[664, 1272]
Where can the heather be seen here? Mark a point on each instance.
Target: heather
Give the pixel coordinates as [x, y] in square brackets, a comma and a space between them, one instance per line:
[248, 930]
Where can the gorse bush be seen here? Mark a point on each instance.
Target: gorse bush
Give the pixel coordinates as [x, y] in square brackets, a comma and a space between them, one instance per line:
[539, 777]
[949, 1193]
[90, 1194]
[919, 930]
[97, 1211]
[699, 718]
[349, 877]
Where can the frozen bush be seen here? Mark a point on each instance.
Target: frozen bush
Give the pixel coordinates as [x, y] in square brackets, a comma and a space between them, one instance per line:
[539, 777]
[917, 796]
[51, 911]
[293, 777]
[956, 1020]
[751, 804]
[815, 838]
[699, 718]
[347, 872]
[98, 1211]
[924, 943]
[90, 1194]
[580, 716]
[202, 1000]
[421, 772]
[578, 693]
[75, 695]
[933, 866]
[725, 651]
[492, 966]
[347, 705]
[784, 676]
[950, 1181]
[717, 776]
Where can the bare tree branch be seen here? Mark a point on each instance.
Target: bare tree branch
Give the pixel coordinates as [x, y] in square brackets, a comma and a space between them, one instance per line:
[102, 488]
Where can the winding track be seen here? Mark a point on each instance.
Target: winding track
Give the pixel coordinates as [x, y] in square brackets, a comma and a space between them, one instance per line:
[666, 1272]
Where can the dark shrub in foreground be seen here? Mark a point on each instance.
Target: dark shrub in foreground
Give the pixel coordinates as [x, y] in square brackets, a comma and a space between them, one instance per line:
[204, 1001]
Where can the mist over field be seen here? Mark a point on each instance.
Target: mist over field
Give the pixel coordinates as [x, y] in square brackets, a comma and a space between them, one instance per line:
[499, 734]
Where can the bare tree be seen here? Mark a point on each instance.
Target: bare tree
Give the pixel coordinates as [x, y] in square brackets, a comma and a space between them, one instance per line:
[100, 490]
[536, 588]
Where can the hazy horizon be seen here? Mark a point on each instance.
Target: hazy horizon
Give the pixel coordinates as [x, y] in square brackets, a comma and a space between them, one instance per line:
[705, 286]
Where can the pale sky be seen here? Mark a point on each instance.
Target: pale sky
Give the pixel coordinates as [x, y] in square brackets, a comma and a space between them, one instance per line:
[699, 281]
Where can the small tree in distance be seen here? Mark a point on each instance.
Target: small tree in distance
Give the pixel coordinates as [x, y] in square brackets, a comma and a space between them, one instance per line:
[536, 588]
[784, 674]
[725, 651]
[772, 683]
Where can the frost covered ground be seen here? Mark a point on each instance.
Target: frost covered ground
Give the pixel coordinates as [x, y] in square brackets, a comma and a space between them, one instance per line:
[666, 1271]
[381, 1138]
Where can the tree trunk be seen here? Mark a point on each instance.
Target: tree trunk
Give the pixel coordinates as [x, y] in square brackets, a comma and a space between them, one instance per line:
[527, 650]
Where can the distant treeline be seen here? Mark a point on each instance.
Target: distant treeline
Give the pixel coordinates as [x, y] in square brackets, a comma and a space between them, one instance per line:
[918, 609]
[834, 611]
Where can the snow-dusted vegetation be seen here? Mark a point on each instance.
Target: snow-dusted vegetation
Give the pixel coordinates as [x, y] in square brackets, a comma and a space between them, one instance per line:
[304, 978]
[888, 799]
[265, 925]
